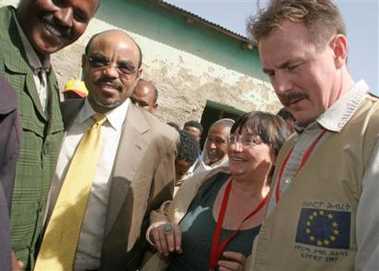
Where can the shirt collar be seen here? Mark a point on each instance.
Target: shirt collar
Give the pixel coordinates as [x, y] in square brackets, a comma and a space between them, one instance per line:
[31, 55]
[115, 117]
[336, 117]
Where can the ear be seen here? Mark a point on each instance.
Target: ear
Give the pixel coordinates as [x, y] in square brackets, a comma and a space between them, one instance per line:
[84, 61]
[339, 46]
[139, 73]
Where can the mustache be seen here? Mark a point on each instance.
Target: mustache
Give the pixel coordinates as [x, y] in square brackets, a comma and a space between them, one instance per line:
[114, 83]
[51, 20]
[290, 97]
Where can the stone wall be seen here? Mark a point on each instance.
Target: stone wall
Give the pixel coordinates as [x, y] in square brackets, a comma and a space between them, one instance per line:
[185, 81]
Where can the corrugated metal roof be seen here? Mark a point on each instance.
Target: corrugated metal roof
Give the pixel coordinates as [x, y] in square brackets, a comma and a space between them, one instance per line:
[203, 21]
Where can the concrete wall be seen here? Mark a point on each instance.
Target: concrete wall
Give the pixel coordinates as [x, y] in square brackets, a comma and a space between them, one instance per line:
[188, 62]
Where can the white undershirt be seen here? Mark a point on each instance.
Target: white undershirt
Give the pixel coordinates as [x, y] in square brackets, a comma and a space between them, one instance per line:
[92, 230]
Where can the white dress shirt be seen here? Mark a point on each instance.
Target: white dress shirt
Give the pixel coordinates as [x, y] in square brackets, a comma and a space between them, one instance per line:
[92, 230]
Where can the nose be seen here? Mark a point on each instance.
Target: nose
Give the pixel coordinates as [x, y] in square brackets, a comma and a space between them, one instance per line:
[282, 83]
[110, 71]
[65, 16]
[212, 145]
[235, 146]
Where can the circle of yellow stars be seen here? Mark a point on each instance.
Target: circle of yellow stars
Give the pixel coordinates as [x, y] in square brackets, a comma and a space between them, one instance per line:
[334, 231]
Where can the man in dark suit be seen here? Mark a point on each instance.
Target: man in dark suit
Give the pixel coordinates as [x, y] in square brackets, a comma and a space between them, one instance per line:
[28, 35]
[135, 170]
[9, 145]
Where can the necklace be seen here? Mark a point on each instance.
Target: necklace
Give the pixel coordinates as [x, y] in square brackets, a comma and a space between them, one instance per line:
[218, 246]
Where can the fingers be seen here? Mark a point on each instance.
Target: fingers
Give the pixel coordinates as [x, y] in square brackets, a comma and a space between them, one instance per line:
[178, 239]
[17, 265]
[162, 241]
[170, 237]
[234, 256]
[232, 261]
[167, 238]
[229, 266]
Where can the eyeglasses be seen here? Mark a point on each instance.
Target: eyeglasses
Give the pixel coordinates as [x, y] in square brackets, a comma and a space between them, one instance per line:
[246, 141]
[101, 62]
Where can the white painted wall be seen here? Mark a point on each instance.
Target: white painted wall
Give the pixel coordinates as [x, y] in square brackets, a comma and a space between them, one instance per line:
[184, 81]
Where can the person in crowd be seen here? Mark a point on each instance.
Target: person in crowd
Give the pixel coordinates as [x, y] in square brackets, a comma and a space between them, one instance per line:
[323, 210]
[75, 89]
[215, 149]
[117, 163]
[194, 128]
[146, 95]
[9, 147]
[288, 117]
[215, 216]
[28, 36]
[188, 151]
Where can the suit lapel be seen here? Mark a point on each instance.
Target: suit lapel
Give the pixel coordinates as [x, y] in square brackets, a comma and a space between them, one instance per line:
[131, 148]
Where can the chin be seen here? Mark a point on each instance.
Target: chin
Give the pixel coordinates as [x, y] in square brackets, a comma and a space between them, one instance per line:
[46, 48]
[100, 106]
[236, 171]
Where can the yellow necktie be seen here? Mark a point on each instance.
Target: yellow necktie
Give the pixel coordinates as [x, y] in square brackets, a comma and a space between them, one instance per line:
[62, 234]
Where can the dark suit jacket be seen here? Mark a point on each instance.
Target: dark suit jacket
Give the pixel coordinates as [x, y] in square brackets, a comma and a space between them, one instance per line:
[9, 145]
[142, 178]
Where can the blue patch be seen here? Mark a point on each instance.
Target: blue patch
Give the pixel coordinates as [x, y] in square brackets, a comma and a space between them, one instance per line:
[324, 228]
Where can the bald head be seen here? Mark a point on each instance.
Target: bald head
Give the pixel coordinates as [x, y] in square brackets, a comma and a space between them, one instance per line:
[114, 32]
[111, 69]
[216, 144]
[146, 95]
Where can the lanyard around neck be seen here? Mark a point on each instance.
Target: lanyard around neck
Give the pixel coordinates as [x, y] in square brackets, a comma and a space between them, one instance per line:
[306, 155]
[218, 246]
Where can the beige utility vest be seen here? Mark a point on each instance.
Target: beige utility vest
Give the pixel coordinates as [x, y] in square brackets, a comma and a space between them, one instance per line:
[313, 225]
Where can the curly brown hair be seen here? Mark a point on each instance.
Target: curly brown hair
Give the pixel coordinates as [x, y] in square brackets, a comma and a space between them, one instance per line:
[321, 17]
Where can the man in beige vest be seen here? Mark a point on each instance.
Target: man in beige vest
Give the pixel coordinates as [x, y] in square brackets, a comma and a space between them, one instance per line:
[322, 214]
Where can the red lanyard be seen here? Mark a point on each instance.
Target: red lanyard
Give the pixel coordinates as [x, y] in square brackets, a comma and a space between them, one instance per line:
[306, 155]
[218, 246]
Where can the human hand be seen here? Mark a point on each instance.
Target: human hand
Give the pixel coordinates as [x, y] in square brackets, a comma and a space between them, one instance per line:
[167, 238]
[17, 265]
[232, 261]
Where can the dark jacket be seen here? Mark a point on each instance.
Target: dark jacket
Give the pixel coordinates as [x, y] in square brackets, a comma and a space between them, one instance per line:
[9, 145]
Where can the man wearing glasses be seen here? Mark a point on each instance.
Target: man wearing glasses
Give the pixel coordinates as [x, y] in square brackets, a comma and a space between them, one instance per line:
[134, 171]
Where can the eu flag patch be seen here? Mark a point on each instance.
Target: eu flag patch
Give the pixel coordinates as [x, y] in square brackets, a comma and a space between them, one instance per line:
[324, 228]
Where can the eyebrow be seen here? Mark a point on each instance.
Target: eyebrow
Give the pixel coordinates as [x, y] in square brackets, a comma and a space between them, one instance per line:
[126, 62]
[284, 65]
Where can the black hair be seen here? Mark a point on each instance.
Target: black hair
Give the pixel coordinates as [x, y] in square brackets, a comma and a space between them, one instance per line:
[188, 147]
[194, 123]
[285, 114]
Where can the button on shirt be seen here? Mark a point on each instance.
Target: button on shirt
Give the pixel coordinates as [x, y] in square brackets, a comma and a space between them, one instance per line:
[92, 230]
[333, 120]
